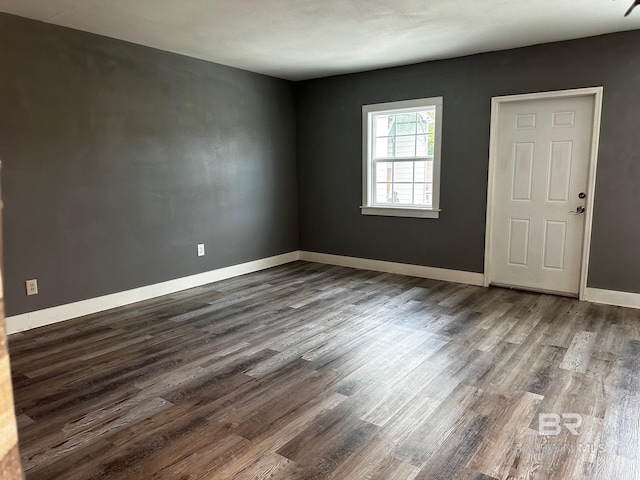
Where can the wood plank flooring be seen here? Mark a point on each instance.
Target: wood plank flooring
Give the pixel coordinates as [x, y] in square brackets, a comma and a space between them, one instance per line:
[307, 371]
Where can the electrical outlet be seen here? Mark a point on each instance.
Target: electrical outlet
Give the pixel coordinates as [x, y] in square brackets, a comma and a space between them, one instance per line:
[32, 286]
[201, 249]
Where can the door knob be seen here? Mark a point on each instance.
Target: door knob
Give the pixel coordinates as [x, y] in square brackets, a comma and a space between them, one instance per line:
[578, 210]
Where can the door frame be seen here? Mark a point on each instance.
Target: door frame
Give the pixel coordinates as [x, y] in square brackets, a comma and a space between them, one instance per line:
[496, 102]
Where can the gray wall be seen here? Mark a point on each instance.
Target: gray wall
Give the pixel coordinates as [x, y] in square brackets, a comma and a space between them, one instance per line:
[118, 159]
[329, 151]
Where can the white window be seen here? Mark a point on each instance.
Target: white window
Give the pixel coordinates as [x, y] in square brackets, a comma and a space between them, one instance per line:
[401, 149]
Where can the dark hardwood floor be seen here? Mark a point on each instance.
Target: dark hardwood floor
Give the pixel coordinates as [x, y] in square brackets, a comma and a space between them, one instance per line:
[308, 371]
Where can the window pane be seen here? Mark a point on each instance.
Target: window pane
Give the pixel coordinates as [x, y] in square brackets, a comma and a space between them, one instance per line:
[421, 172]
[426, 121]
[423, 194]
[422, 123]
[422, 147]
[385, 125]
[406, 146]
[428, 114]
[431, 143]
[430, 171]
[385, 147]
[403, 193]
[420, 194]
[406, 124]
[403, 172]
[384, 172]
[383, 192]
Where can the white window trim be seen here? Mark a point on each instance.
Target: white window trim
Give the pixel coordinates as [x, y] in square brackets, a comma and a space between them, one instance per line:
[368, 207]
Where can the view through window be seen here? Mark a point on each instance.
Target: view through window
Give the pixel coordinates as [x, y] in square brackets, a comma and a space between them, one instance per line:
[402, 158]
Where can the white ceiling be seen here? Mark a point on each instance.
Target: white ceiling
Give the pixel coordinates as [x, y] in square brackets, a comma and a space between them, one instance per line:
[300, 39]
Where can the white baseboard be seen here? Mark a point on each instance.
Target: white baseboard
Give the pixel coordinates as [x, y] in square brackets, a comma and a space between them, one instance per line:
[456, 276]
[39, 318]
[48, 316]
[612, 297]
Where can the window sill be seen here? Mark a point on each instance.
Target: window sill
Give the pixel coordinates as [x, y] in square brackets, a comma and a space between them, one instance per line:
[400, 212]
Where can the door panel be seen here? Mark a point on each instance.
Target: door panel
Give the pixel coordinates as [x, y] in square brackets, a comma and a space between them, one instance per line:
[541, 168]
[555, 243]
[523, 171]
[560, 172]
[519, 242]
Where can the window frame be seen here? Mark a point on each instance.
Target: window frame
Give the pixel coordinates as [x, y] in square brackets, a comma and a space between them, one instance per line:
[369, 207]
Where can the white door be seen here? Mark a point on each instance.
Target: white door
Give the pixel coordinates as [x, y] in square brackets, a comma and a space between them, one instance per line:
[540, 185]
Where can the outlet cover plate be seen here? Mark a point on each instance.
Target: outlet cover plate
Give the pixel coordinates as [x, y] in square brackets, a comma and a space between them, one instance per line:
[32, 286]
